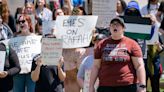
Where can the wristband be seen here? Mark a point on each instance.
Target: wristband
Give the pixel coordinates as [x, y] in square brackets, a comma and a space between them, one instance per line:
[142, 86]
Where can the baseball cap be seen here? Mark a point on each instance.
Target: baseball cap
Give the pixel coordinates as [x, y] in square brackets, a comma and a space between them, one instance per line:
[119, 20]
[133, 4]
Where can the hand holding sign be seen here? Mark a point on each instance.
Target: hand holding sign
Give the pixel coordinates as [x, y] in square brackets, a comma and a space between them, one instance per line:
[39, 62]
[61, 62]
[3, 74]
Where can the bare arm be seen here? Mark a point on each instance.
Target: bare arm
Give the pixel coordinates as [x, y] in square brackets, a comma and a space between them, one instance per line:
[94, 74]
[61, 73]
[35, 74]
[140, 70]
[70, 7]
[80, 82]
[161, 31]
[158, 16]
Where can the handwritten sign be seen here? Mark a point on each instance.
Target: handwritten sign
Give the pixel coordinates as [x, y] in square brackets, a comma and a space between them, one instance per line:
[26, 48]
[76, 31]
[51, 50]
[2, 60]
[48, 27]
[105, 9]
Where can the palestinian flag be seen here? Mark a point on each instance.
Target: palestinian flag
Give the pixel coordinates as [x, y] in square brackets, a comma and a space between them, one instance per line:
[138, 27]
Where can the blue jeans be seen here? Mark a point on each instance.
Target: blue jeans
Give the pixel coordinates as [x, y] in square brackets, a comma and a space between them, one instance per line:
[23, 81]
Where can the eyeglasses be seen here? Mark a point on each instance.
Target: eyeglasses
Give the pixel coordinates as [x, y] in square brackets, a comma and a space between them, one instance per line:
[21, 21]
[115, 25]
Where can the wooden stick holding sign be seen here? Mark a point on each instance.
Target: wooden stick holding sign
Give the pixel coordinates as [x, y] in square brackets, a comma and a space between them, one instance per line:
[51, 51]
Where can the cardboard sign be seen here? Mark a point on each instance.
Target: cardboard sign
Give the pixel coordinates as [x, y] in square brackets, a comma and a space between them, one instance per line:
[48, 27]
[51, 51]
[26, 48]
[106, 11]
[76, 31]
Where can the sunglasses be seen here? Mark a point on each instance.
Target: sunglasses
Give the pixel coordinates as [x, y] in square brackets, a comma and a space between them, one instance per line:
[21, 21]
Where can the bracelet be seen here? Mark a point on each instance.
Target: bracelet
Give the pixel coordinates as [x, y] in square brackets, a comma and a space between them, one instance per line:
[142, 86]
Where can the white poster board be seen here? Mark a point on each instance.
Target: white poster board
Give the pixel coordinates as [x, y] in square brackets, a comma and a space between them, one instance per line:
[51, 51]
[26, 48]
[76, 31]
[48, 27]
[106, 11]
[86, 80]
[2, 60]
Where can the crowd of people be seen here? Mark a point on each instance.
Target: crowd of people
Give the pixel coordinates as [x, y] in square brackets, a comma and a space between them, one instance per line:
[114, 61]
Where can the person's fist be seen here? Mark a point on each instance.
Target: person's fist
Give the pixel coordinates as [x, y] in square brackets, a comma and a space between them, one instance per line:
[3, 74]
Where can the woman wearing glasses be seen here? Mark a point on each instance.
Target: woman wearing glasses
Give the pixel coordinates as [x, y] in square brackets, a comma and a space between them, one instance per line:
[23, 80]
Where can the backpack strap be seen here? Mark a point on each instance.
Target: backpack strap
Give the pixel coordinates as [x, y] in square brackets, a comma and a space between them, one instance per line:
[7, 50]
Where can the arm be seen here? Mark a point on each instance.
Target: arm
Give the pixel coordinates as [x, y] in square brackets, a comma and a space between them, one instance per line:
[81, 74]
[161, 31]
[70, 7]
[13, 60]
[94, 74]
[35, 74]
[61, 73]
[80, 82]
[158, 16]
[140, 70]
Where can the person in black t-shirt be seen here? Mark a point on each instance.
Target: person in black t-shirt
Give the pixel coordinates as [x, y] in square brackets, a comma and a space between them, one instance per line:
[11, 66]
[48, 78]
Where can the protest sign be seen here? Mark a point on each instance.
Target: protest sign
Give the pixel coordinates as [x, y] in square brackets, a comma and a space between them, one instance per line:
[51, 51]
[76, 31]
[26, 48]
[105, 10]
[2, 60]
[48, 27]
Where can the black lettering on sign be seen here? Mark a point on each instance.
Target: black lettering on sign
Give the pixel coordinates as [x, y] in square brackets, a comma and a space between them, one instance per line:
[73, 22]
[80, 39]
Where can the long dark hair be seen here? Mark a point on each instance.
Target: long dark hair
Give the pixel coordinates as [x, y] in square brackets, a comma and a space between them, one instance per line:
[123, 4]
[148, 6]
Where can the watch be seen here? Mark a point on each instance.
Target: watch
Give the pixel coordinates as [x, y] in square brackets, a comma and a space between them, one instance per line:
[142, 86]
